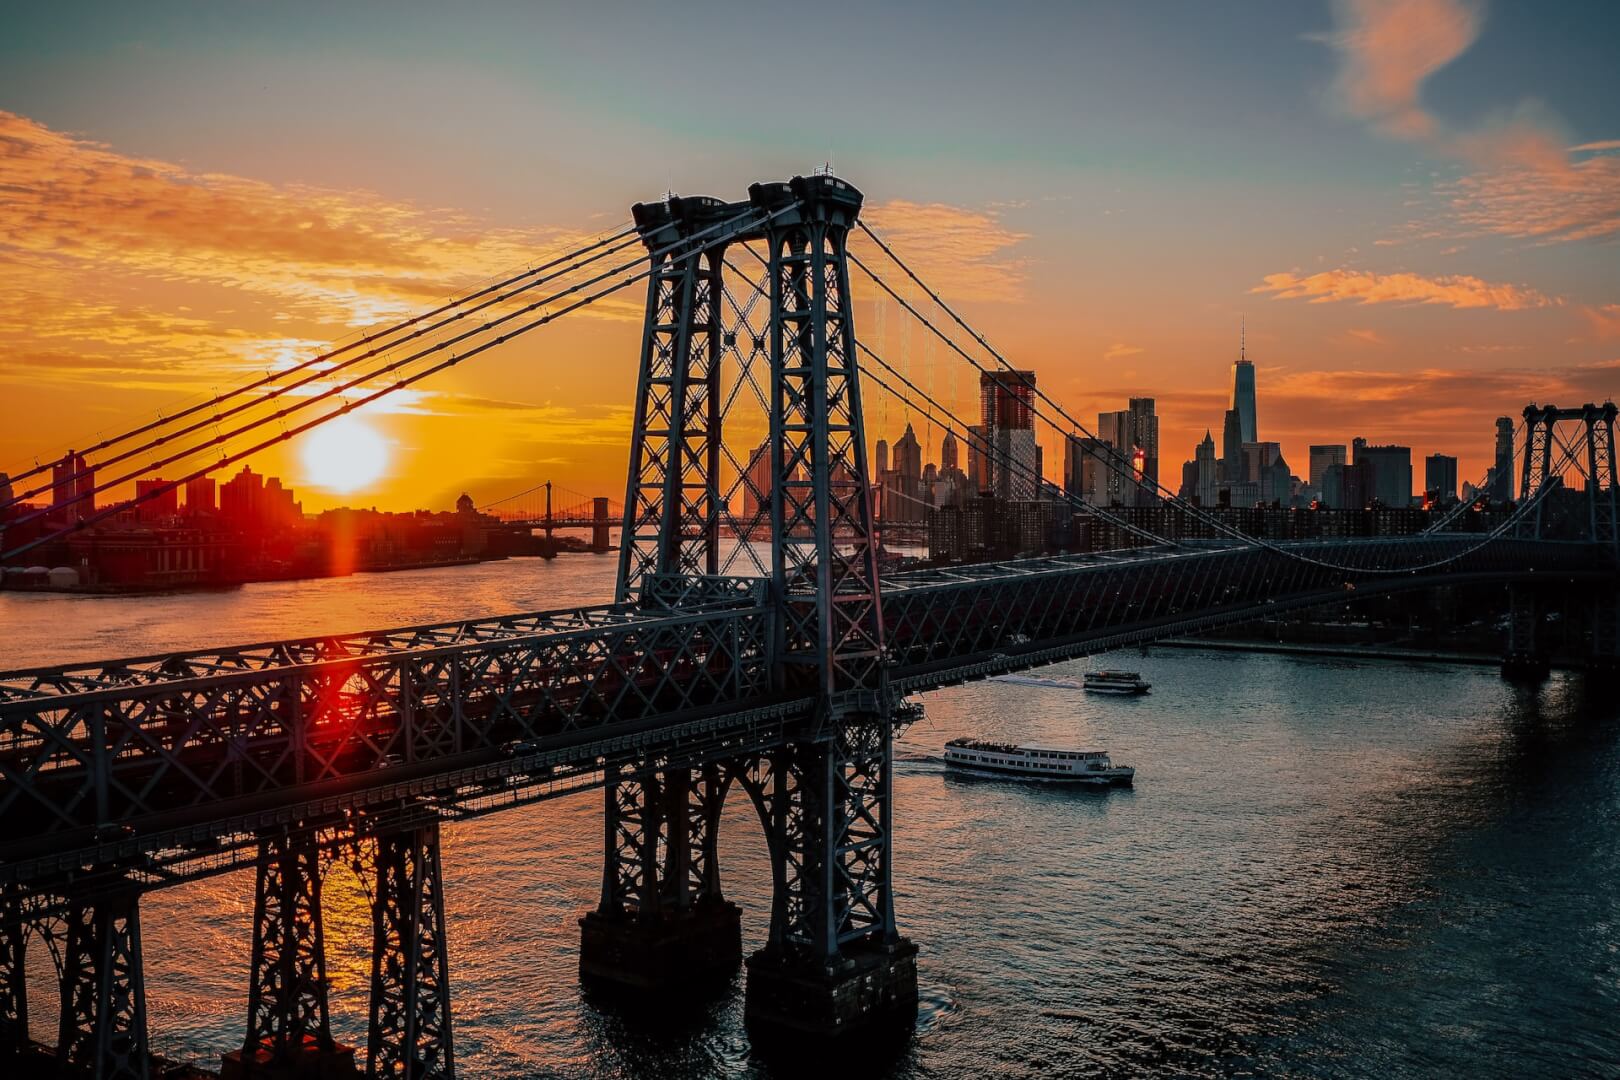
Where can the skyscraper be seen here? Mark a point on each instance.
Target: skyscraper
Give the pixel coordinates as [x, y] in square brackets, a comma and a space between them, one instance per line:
[1321, 457]
[947, 452]
[1201, 477]
[1502, 481]
[882, 456]
[1232, 448]
[1391, 469]
[1007, 417]
[1145, 433]
[757, 488]
[1440, 477]
[1243, 393]
[1119, 483]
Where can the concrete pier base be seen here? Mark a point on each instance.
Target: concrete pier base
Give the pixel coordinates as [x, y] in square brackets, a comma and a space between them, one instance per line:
[670, 953]
[312, 1064]
[1525, 667]
[866, 995]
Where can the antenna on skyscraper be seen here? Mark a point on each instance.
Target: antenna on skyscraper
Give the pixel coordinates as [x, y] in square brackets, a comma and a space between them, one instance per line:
[1243, 347]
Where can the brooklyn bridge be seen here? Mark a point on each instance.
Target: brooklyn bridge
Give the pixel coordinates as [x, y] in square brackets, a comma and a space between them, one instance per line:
[763, 649]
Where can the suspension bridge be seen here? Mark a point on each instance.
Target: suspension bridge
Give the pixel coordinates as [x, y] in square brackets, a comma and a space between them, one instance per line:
[752, 643]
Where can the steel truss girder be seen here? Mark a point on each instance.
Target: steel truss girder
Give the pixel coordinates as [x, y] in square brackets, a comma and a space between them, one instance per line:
[287, 992]
[103, 1016]
[662, 829]
[77, 760]
[410, 977]
[824, 555]
[672, 503]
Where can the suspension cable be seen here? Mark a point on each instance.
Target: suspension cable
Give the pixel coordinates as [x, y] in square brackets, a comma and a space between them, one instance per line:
[740, 223]
[326, 373]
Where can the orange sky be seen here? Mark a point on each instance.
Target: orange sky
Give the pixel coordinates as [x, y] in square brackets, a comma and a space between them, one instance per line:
[1468, 268]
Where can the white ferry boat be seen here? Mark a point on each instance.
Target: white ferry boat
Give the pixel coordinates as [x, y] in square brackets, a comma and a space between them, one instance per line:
[1091, 767]
[1115, 682]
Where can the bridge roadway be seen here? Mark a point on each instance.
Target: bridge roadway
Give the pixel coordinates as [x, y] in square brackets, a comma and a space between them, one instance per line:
[165, 768]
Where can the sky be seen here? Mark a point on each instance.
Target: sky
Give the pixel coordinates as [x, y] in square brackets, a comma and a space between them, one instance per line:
[1413, 206]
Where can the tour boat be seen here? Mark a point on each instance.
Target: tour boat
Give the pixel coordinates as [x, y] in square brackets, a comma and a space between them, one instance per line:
[1091, 767]
[1115, 682]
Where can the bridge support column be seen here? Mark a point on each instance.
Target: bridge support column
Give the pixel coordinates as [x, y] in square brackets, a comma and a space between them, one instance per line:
[410, 977]
[835, 967]
[1526, 653]
[663, 924]
[13, 983]
[289, 1035]
[103, 1024]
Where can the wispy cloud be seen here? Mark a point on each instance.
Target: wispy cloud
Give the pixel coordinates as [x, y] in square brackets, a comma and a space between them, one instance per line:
[962, 253]
[1367, 287]
[1119, 350]
[1388, 47]
[1521, 180]
[89, 236]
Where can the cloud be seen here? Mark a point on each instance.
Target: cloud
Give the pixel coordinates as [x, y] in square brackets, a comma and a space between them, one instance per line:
[1367, 287]
[1119, 351]
[1526, 185]
[93, 242]
[1520, 179]
[1371, 337]
[1605, 321]
[963, 254]
[1387, 49]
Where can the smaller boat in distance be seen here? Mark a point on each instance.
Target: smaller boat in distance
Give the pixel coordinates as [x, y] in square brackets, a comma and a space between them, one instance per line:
[1115, 682]
[1089, 767]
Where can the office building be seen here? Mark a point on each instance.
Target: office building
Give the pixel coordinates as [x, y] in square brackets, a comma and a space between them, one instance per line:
[1440, 478]
[1321, 457]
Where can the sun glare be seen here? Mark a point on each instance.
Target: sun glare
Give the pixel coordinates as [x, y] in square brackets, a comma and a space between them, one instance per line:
[344, 455]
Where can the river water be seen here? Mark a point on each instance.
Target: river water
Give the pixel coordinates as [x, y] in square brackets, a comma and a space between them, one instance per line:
[1326, 868]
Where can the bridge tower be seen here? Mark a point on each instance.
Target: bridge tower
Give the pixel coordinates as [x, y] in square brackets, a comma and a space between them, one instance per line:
[662, 923]
[834, 963]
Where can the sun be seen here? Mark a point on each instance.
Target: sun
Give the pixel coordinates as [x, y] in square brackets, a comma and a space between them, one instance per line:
[344, 455]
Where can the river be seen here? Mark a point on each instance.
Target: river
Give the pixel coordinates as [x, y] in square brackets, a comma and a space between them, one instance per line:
[1326, 868]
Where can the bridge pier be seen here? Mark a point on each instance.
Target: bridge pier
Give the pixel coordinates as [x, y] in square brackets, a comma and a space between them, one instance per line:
[410, 977]
[663, 924]
[13, 983]
[835, 968]
[103, 1023]
[1526, 658]
[289, 1035]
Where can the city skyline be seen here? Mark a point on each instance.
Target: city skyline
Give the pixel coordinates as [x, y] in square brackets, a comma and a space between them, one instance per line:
[1415, 240]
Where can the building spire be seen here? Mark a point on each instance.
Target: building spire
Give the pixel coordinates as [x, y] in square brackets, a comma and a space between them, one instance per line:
[1243, 349]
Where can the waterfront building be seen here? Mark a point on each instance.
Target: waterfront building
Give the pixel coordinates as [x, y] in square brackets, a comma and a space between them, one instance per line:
[200, 495]
[153, 502]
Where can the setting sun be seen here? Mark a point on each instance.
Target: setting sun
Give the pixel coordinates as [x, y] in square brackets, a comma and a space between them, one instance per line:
[344, 456]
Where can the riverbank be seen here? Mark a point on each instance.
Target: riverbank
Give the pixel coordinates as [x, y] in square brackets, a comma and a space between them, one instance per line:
[1348, 652]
